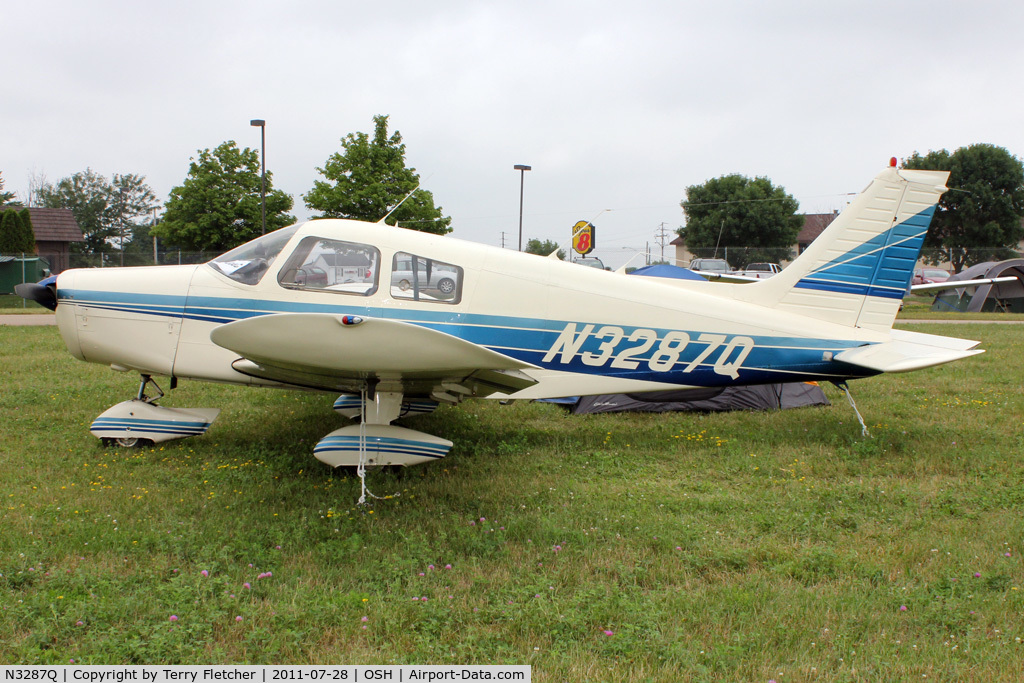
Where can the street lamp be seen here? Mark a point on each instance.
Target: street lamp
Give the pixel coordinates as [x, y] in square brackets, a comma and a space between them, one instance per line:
[263, 169]
[120, 211]
[522, 168]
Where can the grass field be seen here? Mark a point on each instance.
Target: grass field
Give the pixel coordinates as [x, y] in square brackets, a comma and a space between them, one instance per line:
[728, 547]
[13, 304]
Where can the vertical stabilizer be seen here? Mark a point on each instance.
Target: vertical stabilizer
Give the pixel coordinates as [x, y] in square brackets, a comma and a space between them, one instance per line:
[857, 271]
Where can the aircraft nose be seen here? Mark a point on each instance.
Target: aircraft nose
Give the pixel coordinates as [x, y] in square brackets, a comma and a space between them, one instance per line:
[127, 318]
[66, 319]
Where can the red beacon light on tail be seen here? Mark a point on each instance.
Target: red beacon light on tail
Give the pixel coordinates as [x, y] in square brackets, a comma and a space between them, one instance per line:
[892, 162]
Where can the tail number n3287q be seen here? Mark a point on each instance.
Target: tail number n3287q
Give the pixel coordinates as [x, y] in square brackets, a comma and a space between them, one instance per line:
[731, 350]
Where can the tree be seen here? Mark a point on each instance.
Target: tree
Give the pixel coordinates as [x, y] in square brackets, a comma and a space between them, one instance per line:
[28, 233]
[737, 211]
[131, 206]
[106, 211]
[369, 178]
[15, 236]
[545, 248]
[5, 197]
[10, 233]
[218, 206]
[979, 218]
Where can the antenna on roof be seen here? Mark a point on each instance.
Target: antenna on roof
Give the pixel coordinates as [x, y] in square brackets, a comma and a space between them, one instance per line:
[395, 207]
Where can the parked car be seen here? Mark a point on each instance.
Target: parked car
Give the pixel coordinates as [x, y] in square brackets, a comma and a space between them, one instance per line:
[711, 265]
[441, 279]
[591, 262]
[760, 270]
[927, 276]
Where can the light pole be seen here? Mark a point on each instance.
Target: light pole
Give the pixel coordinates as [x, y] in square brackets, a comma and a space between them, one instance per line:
[263, 169]
[120, 212]
[522, 168]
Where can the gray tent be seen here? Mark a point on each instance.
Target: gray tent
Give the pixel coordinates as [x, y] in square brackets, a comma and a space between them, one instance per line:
[715, 399]
[1007, 297]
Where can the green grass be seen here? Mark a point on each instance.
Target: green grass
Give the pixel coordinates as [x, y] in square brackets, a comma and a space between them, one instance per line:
[744, 546]
[11, 303]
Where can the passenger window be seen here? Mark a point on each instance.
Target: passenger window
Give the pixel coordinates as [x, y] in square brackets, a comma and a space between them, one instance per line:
[422, 279]
[333, 266]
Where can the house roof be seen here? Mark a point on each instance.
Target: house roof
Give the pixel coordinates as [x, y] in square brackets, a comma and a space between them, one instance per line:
[55, 225]
[814, 225]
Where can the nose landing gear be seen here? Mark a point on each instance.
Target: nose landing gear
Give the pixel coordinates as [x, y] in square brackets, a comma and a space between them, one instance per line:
[141, 422]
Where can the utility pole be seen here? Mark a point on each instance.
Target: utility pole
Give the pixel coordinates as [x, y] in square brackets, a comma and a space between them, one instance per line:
[661, 235]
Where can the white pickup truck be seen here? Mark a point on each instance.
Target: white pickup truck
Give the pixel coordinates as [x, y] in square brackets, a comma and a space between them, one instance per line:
[759, 271]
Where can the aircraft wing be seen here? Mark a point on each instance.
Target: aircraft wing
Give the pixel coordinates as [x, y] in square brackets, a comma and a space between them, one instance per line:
[957, 284]
[341, 352]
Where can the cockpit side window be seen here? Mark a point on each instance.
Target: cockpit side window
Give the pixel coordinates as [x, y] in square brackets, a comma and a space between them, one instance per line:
[248, 263]
[330, 265]
[423, 279]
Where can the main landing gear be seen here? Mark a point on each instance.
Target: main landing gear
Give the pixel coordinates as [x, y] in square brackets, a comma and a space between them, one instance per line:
[375, 442]
[141, 422]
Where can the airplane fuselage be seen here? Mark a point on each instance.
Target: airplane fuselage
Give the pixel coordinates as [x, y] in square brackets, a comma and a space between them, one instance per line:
[584, 330]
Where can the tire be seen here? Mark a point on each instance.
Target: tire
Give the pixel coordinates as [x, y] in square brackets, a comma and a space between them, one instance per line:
[128, 442]
[446, 285]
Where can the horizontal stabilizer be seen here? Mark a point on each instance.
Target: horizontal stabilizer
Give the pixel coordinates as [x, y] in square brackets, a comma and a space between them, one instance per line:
[909, 351]
[958, 284]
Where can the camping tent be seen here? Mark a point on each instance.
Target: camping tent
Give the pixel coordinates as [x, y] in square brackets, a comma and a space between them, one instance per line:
[667, 271]
[1007, 297]
[713, 399]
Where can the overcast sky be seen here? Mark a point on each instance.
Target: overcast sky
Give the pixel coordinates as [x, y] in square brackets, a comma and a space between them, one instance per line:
[615, 105]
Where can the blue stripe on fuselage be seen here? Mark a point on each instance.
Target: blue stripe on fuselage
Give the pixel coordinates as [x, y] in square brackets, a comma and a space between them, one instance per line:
[770, 358]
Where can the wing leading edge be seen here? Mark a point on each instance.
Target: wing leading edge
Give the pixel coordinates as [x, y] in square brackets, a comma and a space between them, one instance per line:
[342, 352]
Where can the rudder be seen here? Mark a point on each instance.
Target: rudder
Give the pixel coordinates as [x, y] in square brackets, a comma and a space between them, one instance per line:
[858, 270]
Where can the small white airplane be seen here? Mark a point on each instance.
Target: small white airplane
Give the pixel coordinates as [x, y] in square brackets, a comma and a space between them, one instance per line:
[398, 321]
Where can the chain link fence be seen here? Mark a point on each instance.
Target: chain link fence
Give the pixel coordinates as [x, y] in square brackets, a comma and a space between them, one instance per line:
[18, 268]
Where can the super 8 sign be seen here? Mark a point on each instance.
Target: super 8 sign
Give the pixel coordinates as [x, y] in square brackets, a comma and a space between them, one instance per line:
[583, 238]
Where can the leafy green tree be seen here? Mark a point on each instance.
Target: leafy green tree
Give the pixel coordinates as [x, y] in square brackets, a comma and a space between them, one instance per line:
[16, 236]
[737, 211]
[979, 218]
[106, 211]
[368, 178]
[218, 206]
[10, 233]
[5, 197]
[28, 233]
[87, 194]
[545, 248]
[131, 206]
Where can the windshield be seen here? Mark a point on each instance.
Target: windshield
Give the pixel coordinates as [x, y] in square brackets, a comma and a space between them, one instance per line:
[248, 263]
